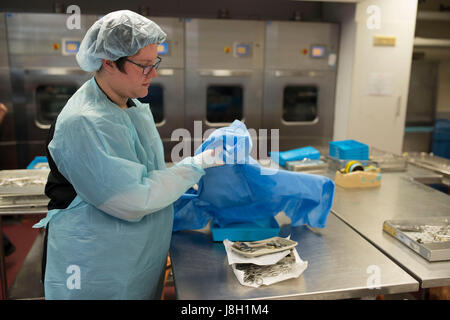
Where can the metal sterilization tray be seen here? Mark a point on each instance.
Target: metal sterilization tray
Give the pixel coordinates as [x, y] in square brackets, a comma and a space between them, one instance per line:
[23, 182]
[30, 201]
[307, 165]
[388, 162]
[429, 161]
[429, 237]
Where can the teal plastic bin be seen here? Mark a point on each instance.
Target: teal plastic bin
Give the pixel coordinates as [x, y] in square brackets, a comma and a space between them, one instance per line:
[295, 154]
[348, 150]
[246, 231]
[40, 162]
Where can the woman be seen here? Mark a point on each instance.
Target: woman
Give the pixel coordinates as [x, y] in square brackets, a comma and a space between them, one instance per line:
[110, 216]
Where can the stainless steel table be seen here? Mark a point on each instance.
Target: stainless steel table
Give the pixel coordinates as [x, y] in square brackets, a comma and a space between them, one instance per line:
[399, 197]
[340, 264]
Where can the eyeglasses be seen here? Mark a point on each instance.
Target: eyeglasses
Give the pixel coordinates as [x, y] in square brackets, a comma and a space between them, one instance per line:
[147, 69]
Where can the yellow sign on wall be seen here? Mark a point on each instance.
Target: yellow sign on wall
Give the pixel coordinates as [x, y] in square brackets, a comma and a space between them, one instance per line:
[384, 41]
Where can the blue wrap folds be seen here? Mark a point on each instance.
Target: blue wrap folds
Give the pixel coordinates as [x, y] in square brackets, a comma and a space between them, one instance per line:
[243, 190]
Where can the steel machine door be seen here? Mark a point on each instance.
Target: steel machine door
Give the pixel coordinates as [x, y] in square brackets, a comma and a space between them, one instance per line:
[224, 70]
[166, 92]
[44, 74]
[8, 149]
[299, 82]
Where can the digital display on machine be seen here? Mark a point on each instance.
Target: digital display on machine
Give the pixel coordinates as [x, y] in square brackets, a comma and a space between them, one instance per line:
[163, 49]
[318, 51]
[241, 50]
[70, 46]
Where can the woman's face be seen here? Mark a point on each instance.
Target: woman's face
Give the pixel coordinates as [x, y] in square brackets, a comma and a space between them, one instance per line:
[132, 83]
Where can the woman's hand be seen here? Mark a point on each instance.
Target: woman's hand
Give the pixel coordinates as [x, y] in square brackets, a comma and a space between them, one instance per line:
[209, 158]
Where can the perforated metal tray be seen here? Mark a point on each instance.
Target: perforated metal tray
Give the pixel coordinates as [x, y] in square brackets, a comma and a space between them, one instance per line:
[388, 162]
[429, 161]
[29, 201]
[307, 165]
[429, 237]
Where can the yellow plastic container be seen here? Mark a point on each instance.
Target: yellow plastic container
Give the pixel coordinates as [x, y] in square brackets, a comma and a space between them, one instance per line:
[358, 179]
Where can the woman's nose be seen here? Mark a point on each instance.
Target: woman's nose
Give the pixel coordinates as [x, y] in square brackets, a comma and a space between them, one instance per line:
[153, 74]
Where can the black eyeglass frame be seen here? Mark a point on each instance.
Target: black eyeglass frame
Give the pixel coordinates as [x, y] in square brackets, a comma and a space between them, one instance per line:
[149, 68]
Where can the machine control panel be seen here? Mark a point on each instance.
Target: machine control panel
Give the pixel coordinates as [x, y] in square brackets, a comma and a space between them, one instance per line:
[70, 46]
[318, 51]
[241, 49]
[163, 49]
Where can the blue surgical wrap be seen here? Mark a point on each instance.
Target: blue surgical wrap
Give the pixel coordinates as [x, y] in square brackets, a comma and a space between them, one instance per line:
[244, 191]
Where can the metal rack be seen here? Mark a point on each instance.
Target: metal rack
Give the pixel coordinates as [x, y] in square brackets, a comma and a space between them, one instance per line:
[23, 190]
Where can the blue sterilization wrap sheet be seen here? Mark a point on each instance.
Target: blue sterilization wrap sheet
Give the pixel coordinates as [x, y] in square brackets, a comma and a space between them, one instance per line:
[244, 191]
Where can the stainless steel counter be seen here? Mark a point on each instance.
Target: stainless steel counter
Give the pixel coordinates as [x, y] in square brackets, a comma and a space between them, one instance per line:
[399, 197]
[341, 265]
[23, 211]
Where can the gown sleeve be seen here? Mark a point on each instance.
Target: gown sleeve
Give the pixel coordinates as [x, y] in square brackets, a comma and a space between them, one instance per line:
[98, 157]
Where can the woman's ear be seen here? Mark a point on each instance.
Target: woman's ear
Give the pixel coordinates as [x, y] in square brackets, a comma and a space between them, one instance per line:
[109, 66]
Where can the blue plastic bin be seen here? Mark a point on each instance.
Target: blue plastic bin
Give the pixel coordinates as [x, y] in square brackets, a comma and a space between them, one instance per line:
[295, 154]
[348, 150]
[38, 160]
[246, 231]
[441, 138]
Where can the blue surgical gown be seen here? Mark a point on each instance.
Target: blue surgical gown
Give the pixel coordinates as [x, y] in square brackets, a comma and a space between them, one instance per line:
[112, 241]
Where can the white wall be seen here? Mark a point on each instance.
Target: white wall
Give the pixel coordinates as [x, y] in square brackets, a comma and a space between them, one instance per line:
[377, 120]
[345, 15]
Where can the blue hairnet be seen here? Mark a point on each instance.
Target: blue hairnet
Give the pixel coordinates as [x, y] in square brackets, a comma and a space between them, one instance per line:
[118, 34]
